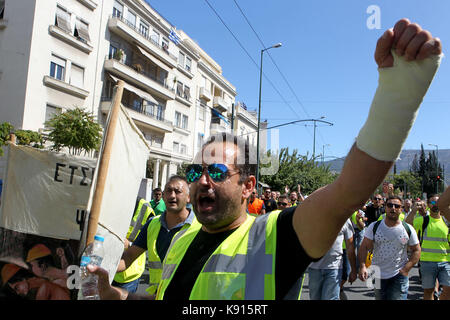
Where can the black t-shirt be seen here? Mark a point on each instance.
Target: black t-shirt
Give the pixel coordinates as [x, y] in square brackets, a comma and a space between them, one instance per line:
[270, 205]
[372, 214]
[291, 259]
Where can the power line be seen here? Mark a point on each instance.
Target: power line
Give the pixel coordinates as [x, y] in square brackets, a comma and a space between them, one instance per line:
[273, 61]
[248, 54]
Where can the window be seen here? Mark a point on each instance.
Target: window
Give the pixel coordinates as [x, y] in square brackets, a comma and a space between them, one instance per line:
[188, 64]
[155, 36]
[57, 68]
[176, 147]
[82, 31]
[62, 19]
[181, 59]
[77, 76]
[165, 44]
[143, 29]
[157, 141]
[184, 122]
[51, 111]
[199, 141]
[201, 112]
[183, 149]
[112, 51]
[179, 88]
[117, 9]
[131, 19]
[187, 93]
[160, 112]
[149, 109]
[177, 119]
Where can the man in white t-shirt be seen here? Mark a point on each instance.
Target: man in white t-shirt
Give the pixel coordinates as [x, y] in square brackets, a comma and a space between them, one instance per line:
[389, 244]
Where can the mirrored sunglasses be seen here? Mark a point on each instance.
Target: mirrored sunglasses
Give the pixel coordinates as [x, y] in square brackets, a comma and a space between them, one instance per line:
[218, 172]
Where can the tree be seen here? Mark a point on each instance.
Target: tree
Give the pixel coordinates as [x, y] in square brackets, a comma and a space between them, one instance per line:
[76, 130]
[23, 137]
[298, 169]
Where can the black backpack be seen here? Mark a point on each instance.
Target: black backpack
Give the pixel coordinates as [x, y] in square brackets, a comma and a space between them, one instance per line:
[405, 225]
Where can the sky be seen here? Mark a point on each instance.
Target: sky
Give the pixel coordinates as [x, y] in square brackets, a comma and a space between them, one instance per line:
[324, 68]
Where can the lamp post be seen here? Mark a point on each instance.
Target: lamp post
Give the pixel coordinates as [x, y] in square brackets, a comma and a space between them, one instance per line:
[259, 112]
[437, 164]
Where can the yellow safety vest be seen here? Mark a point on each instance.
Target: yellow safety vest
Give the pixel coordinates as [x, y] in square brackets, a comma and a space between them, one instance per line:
[154, 261]
[435, 241]
[401, 217]
[242, 266]
[140, 218]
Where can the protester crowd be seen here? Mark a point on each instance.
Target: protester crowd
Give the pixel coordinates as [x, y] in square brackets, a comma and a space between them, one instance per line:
[212, 235]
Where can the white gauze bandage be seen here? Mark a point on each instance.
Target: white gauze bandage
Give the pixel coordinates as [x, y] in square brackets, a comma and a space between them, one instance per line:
[394, 108]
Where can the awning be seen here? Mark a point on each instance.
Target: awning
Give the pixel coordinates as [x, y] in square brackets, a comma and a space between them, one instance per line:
[153, 59]
[141, 93]
[217, 113]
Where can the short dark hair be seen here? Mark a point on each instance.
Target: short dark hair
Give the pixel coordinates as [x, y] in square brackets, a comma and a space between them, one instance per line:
[282, 196]
[176, 177]
[395, 198]
[247, 168]
[157, 190]
[432, 196]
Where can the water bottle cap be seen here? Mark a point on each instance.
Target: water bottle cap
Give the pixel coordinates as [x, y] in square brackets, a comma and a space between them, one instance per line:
[99, 238]
[85, 260]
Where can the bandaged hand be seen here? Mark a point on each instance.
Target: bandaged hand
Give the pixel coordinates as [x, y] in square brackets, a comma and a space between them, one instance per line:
[408, 58]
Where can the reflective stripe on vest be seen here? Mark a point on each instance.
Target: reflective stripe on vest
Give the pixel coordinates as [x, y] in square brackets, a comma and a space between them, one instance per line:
[139, 219]
[154, 261]
[137, 268]
[435, 245]
[242, 267]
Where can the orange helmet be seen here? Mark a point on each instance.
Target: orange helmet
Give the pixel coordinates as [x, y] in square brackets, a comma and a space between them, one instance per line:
[38, 251]
[8, 271]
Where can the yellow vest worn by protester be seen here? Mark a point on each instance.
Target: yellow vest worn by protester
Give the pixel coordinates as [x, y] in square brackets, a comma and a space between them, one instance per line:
[143, 212]
[154, 261]
[435, 239]
[401, 216]
[241, 267]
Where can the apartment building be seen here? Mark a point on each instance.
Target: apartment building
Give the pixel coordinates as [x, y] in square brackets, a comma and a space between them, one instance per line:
[58, 54]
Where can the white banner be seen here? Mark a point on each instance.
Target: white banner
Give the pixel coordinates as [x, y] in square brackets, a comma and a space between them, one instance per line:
[45, 193]
[126, 169]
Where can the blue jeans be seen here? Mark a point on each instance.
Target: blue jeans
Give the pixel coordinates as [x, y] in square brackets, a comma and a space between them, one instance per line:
[129, 286]
[324, 284]
[395, 288]
[435, 270]
[358, 238]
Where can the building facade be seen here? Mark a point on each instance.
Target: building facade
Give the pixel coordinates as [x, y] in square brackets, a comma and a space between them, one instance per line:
[59, 54]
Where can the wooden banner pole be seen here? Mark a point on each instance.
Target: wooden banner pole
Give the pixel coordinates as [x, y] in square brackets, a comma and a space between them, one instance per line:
[103, 165]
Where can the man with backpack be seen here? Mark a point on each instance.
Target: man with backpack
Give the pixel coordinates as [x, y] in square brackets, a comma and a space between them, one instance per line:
[433, 233]
[390, 239]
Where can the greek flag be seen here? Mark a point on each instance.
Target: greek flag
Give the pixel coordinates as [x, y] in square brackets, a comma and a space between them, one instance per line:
[174, 37]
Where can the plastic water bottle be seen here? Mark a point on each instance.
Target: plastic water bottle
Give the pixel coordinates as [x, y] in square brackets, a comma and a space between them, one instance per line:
[93, 254]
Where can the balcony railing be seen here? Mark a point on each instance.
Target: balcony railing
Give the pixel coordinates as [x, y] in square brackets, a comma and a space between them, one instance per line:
[140, 109]
[152, 77]
[145, 35]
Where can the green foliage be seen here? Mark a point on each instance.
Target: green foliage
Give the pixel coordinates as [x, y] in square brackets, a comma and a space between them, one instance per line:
[23, 137]
[5, 129]
[30, 138]
[76, 130]
[427, 169]
[407, 184]
[297, 169]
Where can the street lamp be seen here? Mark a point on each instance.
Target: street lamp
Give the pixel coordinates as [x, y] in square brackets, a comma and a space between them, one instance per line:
[259, 112]
[437, 164]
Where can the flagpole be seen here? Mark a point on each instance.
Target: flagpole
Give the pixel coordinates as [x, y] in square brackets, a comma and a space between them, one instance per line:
[104, 164]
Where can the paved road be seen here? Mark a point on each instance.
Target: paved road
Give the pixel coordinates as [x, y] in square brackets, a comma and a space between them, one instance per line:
[356, 291]
[359, 291]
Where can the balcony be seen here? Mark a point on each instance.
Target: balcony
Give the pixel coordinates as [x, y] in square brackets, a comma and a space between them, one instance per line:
[90, 4]
[65, 87]
[70, 39]
[220, 104]
[139, 114]
[219, 128]
[205, 94]
[130, 32]
[140, 78]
